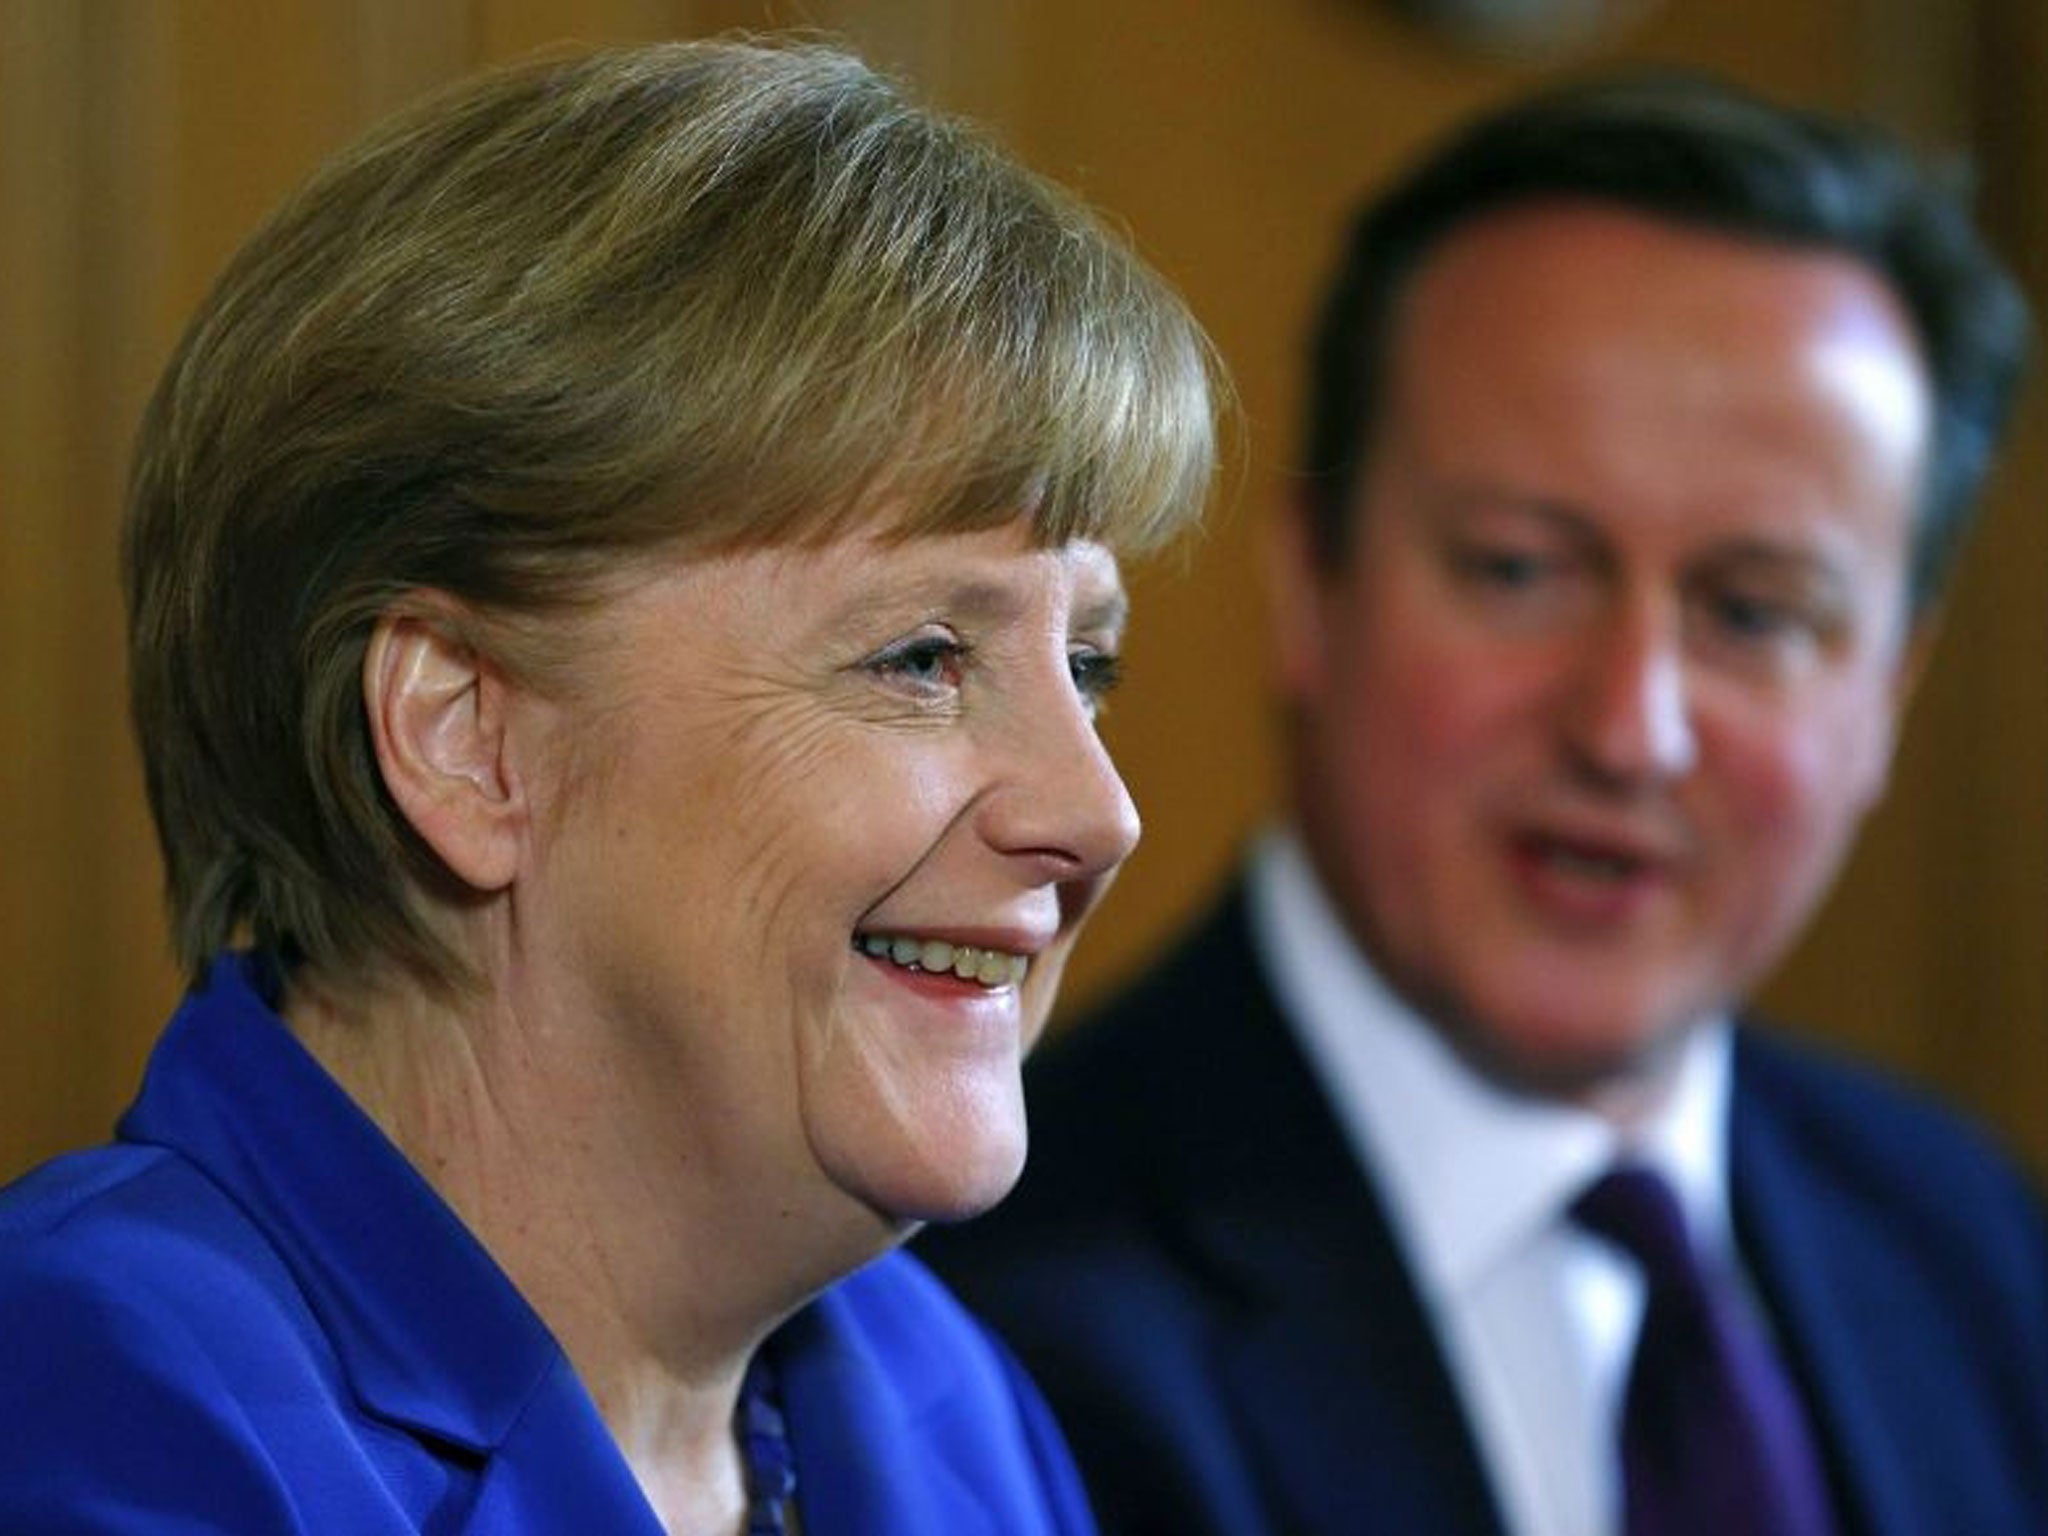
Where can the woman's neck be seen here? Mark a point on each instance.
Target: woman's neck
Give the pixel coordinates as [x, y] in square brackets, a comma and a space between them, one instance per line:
[649, 1284]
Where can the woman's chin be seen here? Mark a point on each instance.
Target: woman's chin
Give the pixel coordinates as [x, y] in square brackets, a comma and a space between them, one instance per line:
[934, 1180]
[958, 1199]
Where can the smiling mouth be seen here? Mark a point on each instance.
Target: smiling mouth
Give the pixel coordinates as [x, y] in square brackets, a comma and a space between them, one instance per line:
[991, 968]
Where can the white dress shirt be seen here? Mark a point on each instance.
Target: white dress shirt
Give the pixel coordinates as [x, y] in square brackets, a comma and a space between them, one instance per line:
[1537, 1317]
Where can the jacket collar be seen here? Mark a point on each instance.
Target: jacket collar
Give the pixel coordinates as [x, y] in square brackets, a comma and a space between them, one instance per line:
[1335, 1347]
[429, 1331]
[1839, 1314]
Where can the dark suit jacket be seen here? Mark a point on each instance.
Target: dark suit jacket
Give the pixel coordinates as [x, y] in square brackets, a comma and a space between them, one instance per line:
[1211, 1295]
[251, 1315]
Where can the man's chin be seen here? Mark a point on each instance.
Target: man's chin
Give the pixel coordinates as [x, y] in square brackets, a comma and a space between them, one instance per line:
[1614, 1071]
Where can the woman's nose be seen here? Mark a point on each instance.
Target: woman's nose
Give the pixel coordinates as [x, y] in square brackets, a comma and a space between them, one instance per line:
[1061, 799]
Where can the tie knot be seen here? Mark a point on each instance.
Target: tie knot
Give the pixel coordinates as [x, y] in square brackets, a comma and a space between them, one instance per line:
[1638, 1211]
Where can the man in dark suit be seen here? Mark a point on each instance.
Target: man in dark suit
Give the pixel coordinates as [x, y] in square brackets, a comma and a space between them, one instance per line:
[1646, 420]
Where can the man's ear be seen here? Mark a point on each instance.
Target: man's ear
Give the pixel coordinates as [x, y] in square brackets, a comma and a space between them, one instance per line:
[438, 724]
[1914, 656]
[1911, 666]
[1295, 595]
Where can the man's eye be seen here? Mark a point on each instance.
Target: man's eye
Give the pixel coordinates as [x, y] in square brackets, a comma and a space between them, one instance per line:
[1749, 616]
[1754, 619]
[1096, 675]
[929, 662]
[1506, 568]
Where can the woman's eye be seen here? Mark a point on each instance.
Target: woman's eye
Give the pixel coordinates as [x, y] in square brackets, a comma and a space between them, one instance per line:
[1096, 675]
[929, 662]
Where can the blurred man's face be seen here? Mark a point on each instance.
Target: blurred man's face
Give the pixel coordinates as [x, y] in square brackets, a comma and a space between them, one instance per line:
[1611, 673]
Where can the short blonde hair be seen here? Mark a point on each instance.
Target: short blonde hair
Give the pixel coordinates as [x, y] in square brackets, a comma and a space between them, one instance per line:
[676, 298]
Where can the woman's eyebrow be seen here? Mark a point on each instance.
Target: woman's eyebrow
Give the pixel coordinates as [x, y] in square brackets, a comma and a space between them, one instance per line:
[939, 592]
[972, 595]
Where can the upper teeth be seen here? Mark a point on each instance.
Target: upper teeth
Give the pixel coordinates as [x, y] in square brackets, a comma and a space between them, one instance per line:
[990, 967]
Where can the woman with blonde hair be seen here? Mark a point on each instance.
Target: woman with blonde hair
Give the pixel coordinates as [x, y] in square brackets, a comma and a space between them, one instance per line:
[622, 571]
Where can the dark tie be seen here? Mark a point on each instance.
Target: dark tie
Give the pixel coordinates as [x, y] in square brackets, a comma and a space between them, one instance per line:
[1714, 1441]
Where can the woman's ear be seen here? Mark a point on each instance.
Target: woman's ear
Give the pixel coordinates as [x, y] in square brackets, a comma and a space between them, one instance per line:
[438, 711]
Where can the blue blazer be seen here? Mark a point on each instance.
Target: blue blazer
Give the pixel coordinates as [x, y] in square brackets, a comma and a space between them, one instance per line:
[251, 1315]
[1217, 1307]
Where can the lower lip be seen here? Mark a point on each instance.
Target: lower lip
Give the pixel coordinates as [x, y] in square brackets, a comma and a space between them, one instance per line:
[941, 986]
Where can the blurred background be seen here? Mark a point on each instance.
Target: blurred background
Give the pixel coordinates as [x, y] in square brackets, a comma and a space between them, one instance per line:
[141, 140]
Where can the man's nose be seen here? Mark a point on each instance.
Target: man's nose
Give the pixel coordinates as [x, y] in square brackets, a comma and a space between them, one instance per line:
[1630, 714]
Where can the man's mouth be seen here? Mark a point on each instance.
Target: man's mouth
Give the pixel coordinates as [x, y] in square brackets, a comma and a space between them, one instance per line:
[1579, 862]
[990, 968]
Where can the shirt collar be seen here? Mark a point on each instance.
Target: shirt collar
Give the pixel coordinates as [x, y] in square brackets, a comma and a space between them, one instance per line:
[1471, 1172]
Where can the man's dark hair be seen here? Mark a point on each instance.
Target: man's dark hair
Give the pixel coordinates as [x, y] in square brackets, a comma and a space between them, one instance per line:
[1692, 151]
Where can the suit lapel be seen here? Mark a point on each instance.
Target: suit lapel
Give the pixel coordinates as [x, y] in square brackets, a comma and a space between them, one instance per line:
[1811, 1260]
[1343, 1389]
[1332, 1358]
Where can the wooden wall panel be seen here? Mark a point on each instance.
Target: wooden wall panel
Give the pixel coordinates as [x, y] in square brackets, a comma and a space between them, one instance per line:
[1988, 748]
[81, 179]
[141, 139]
[35, 415]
